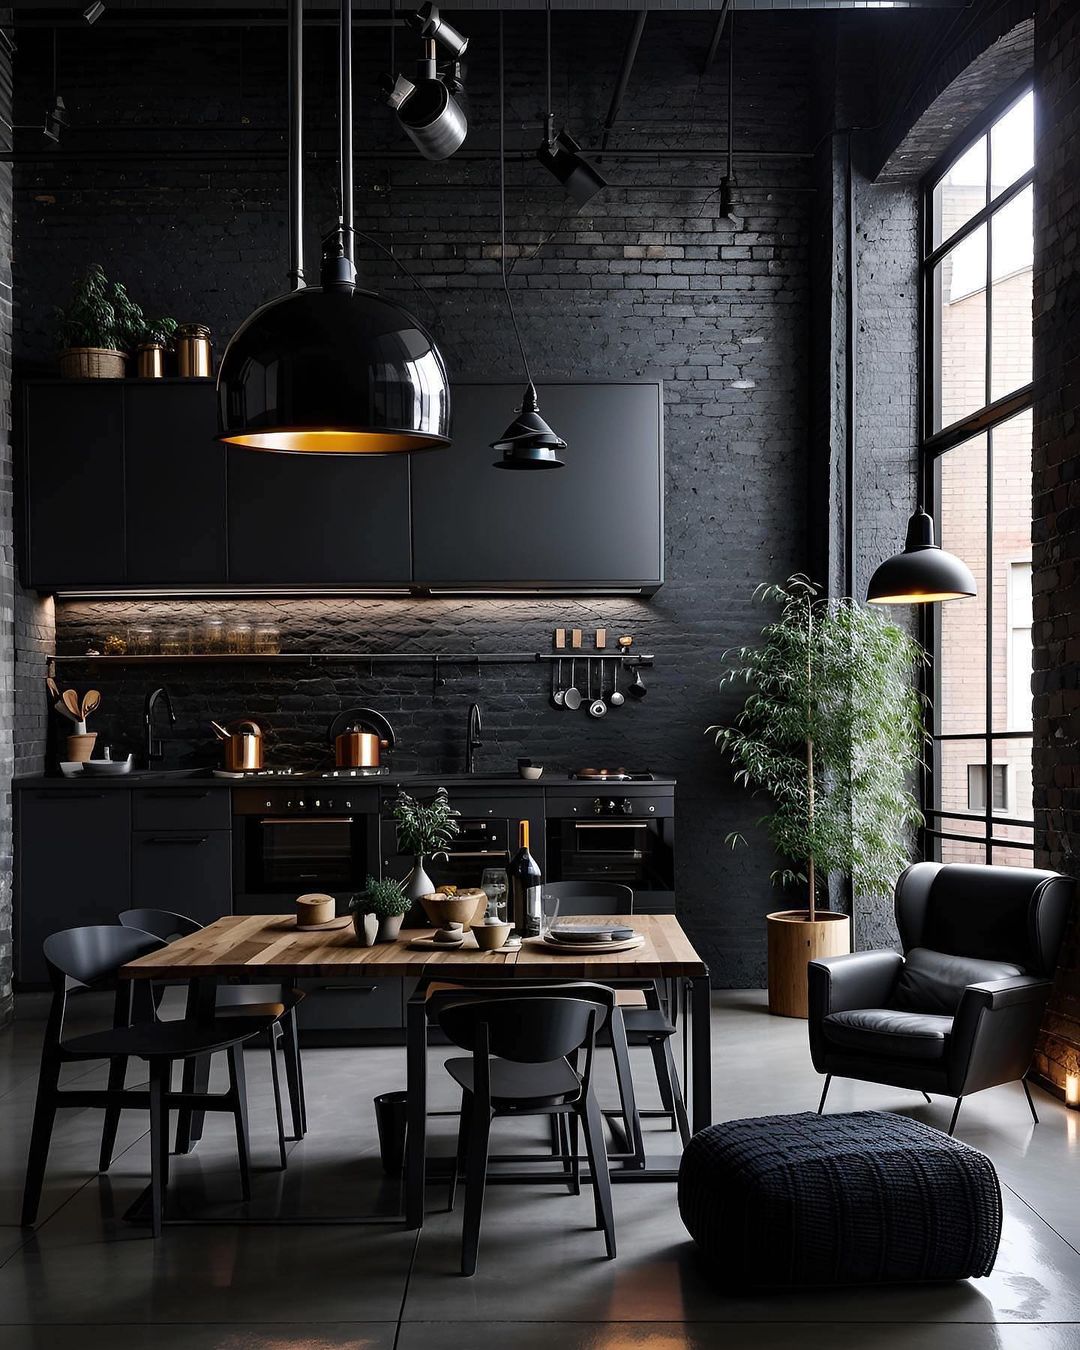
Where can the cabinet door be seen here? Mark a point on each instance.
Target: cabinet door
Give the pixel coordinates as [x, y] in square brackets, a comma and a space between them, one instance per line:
[175, 484]
[73, 484]
[598, 520]
[73, 866]
[184, 871]
[309, 520]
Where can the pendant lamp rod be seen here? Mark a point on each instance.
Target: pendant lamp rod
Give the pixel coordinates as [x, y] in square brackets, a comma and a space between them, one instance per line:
[550, 110]
[730, 94]
[345, 118]
[502, 194]
[296, 143]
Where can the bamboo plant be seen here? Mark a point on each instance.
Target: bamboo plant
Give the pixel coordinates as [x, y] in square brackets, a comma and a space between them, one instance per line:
[831, 730]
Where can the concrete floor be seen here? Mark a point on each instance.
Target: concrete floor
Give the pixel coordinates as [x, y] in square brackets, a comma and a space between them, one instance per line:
[85, 1278]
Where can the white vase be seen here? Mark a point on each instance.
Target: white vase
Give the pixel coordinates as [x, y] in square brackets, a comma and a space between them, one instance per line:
[366, 928]
[418, 883]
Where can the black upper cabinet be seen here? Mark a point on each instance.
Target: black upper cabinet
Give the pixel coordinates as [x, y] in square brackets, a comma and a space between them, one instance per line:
[73, 469]
[175, 479]
[318, 520]
[596, 522]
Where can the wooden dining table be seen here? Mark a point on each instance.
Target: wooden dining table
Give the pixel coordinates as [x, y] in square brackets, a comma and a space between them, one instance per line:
[265, 948]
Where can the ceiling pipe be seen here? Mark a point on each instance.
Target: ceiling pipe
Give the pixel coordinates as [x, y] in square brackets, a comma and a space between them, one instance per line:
[296, 143]
[718, 33]
[629, 57]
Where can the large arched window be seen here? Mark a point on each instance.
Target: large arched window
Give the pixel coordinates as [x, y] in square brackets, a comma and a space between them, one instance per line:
[976, 440]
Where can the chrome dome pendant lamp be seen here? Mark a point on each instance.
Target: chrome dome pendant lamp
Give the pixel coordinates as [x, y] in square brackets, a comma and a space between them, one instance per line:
[528, 442]
[924, 573]
[330, 369]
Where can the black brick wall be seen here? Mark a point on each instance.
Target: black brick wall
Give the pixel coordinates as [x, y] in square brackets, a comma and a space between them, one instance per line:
[646, 281]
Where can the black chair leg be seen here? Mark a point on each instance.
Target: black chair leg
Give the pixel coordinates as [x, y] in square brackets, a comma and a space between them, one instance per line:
[625, 1079]
[553, 1132]
[1031, 1104]
[598, 1165]
[575, 1162]
[462, 1148]
[117, 1074]
[159, 1142]
[40, 1138]
[275, 1032]
[183, 1116]
[294, 1074]
[955, 1115]
[667, 1097]
[824, 1093]
[676, 1093]
[475, 1182]
[238, 1092]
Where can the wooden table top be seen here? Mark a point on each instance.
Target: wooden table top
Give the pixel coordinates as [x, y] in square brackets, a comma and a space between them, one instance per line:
[268, 946]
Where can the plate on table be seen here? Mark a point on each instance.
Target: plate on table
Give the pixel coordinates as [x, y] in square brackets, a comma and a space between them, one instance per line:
[467, 944]
[584, 948]
[289, 922]
[592, 932]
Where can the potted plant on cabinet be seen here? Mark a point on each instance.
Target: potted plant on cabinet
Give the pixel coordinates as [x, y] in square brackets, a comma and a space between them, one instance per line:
[424, 829]
[98, 328]
[831, 730]
[377, 911]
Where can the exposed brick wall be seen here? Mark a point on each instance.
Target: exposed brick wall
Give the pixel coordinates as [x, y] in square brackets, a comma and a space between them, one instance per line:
[1057, 494]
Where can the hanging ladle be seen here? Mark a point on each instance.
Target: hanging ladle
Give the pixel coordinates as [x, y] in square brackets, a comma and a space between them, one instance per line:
[572, 695]
[597, 706]
[616, 700]
[638, 688]
[558, 694]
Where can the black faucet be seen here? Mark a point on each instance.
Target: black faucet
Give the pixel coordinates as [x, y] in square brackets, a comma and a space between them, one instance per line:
[472, 737]
[155, 749]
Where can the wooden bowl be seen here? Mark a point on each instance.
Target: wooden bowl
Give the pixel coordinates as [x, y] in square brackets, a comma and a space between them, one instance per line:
[314, 909]
[491, 937]
[465, 908]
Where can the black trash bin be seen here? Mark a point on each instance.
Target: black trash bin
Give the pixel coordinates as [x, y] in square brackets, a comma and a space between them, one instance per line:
[391, 1113]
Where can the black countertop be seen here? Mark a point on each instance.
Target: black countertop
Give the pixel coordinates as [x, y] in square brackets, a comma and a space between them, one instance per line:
[203, 778]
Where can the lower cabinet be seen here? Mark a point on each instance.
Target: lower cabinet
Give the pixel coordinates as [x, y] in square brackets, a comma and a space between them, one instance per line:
[343, 1005]
[184, 871]
[72, 866]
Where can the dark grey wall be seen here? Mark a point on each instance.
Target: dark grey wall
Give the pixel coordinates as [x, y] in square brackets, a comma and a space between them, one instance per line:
[645, 282]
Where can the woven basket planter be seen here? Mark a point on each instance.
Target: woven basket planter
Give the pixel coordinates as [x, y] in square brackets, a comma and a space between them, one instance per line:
[92, 363]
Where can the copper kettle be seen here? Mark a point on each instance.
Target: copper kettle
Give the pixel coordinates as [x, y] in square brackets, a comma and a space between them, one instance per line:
[359, 736]
[243, 743]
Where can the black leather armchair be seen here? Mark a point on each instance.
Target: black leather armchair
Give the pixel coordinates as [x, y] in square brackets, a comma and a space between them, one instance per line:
[959, 1011]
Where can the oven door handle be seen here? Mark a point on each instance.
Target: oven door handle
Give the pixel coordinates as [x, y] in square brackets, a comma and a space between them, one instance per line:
[306, 820]
[479, 853]
[611, 824]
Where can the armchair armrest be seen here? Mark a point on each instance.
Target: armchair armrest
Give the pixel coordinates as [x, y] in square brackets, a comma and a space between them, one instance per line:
[861, 980]
[994, 1031]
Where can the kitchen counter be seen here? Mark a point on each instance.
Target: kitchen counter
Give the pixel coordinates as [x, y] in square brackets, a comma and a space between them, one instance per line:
[188, 778]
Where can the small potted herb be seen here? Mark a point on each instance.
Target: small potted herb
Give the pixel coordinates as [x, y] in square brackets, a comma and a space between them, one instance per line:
[377, 911]
[98, 327]
[424, 829]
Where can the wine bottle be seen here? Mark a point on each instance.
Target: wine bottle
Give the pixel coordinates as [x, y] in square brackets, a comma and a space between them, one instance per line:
[525, 881]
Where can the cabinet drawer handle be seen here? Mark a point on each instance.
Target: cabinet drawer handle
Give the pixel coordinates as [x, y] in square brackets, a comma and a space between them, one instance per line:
[63, 795]
[172, 839]
[347, 988]
[177, 792]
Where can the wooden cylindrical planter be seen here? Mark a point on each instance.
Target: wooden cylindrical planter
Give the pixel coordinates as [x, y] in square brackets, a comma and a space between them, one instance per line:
[793, 941]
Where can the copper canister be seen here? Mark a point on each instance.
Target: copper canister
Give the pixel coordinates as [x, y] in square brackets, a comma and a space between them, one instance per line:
[193, 352]
[151, 361]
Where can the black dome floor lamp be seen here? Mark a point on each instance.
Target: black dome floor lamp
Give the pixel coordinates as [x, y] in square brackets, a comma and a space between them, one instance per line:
[924, 573]
[330, 369]
[528, 442]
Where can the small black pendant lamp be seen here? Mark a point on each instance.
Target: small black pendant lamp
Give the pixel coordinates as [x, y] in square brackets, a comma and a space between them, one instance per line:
[331, 369]
[923, 574]
[528, 442]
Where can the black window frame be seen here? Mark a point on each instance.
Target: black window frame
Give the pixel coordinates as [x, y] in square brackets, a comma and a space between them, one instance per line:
[933, 445]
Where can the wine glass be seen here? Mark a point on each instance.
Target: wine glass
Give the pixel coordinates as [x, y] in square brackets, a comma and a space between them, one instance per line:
[549, 912]
[495, 885]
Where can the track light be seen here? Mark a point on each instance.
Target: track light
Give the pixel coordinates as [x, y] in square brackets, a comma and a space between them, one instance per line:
[56, 119]
[429, 113]
[93, 12]
[561, 155]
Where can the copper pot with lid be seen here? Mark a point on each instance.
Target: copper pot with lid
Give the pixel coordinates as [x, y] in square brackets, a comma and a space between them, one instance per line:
[359, 736]
[243, 742]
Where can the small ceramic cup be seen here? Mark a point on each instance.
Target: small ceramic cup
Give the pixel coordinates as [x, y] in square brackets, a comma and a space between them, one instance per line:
[491, 936]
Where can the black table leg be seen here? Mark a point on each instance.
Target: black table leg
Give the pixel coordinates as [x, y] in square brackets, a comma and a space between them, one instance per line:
[701, 1046]
[416, 1130]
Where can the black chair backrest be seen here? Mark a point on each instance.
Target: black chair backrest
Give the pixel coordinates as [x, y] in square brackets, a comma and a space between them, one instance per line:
[591, 897]
[92, 955]
[1015, 914]
[525, 1030]
[161, 922]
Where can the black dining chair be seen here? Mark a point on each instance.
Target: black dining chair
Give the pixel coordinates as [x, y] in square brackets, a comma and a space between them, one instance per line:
[275, 1002]
[523, 1061]
[90, 958]
[648, 1021]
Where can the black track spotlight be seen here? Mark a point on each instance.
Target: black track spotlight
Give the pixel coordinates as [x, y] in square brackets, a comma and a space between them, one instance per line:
[429, 24]
[561, 155]
[93, 12]
[56, 119]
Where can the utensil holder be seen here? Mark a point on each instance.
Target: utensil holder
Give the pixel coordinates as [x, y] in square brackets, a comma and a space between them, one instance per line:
[80, 748]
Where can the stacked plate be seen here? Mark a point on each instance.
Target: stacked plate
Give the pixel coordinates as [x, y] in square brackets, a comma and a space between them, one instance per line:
[589, 938]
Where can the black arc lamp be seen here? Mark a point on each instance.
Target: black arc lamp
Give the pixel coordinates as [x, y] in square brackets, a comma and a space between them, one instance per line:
[528, 442]
[331, 369]
[924, 573]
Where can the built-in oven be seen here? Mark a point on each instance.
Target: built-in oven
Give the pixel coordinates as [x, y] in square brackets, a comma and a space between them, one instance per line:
[290, 841]
[627, 837]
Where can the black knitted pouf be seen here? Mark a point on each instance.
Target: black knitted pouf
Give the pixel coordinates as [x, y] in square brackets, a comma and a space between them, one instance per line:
[863, 1198]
